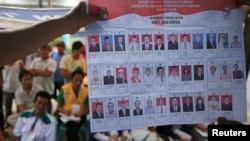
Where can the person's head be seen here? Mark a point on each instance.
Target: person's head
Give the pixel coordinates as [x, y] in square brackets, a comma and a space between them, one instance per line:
[224, 68]
[137, 104]
[198, 38]
[106, 40]
[95, 74]
[174, 71]
[199, 100]
[148, 71]
[146, 39]
[200, 69]
[149, 103]
[41, 102]
[226, 100]
[44, 51]
[25, 77]
[212, 70]
[211, 36]
[60, 47]
[235, 38]
[172, 37]
[187, 100]
[77, 49]
[120, 39]
[222, 38]
[185, 70]
[135, 72]
[98, 106]
[110, 107]
[158, 40]
[161, 102]
[121, 73]
[134, 39]
[160, 71]
[213, 98]
[236, 67]
[185, 38]
[93, 41]
[123, 104]
[108, 72]
[77, 78]
[174, 101]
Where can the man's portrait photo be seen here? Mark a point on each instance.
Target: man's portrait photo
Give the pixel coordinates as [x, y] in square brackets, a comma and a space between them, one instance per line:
[173, 42]
[213, 73]
[97, 110]
[198, 72]
[94, 44]
[159, 42]
[161, 105]
[213, 102]
[134, 42]
[109, 79]
[111, 112]
[95, 78]
[119, 42]
[137, 111]
[124, 108]
[147, 42]
[173, 76]
[175, 104]
[148, 75]
[185, 42]
[226, 104]
[107, 43]
[187, 104]
[135, 75]
[121, 76]
[211, 40]
[150, 108]
[236, 43]
[198, 41]
[160, 74]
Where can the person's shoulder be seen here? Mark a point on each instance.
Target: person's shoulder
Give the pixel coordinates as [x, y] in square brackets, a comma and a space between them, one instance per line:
[26, 114]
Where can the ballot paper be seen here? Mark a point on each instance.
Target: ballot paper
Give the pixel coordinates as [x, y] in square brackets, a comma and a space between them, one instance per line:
[75, 109]
[64, 118]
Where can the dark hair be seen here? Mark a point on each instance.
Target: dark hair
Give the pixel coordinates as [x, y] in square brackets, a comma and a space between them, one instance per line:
[160, 67]
[98, 104]
[42, 94]
[159, 37]
[212, 67]
[77, 71]
[111, 103]
[77, 45]
[60, 44]
[198, 100]
[23, 73]
[106, 37]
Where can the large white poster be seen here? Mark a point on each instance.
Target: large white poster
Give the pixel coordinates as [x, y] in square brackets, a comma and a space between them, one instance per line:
[166, 62]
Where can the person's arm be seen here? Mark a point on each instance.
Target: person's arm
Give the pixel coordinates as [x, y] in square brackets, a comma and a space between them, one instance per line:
[85, 111]
[14, 42]
[51, 132]
[60, 102]
[17, 131]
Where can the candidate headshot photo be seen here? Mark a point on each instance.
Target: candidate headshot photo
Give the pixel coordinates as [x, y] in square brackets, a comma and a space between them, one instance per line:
[108, 79]
[187, 104]
[135, 75]
[226, 104]
[198, 41]
[124, 108]
[159, 42]
[173, 42]
[161, 105]
[199, 104]
[95, 78]
[186, 73]
[198, 72]
[119, 42]
[236, 43]
[174, 104]
[185, 42]
[150, 107]
[160, 74]
[94, 45]
[111, 112]
[147, 42]
[213, 102]
[134, 42]
[138, 110]
[148, 75]
[223, 41]
[213, 73]
[97, 110]
[211, 40]
[107, 43]
[121, 76]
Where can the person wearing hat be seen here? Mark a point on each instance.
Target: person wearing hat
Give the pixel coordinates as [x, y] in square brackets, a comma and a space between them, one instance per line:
[135, 75]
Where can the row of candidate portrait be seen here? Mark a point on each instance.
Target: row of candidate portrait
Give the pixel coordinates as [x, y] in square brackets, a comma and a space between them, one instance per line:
[161, 72]
[151, 105]
[160, 40]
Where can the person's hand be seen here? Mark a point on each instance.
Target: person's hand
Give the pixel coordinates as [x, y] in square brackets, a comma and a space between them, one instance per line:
[67, 112]
[78, 16]
[113, 138]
